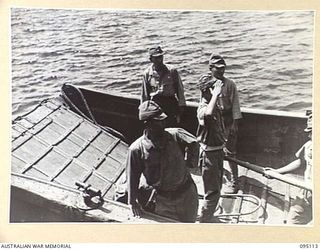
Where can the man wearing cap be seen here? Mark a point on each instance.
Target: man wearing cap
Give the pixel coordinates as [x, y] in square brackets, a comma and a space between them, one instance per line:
[229, 105]
[162, 84]
[159, 155]
[301, 208]
[210, 135]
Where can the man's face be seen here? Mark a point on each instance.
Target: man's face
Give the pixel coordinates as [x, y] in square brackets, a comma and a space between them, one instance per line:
[156, 60]
[217, 72]
[156, 127]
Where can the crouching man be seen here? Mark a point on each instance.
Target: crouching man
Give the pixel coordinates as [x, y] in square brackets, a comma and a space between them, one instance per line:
[159, 155]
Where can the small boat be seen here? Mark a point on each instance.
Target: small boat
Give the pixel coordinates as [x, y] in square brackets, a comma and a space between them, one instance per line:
[69, 153]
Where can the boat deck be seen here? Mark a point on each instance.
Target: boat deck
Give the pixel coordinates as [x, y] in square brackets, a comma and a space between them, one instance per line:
[259, 200]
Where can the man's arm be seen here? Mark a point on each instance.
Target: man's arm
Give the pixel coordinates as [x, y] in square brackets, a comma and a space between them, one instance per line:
[134, 170]
[179, 89]
[286, 169]
[290, 167]
[299, 162]
[212, 104]
[145, 95]
[188, 143]
[236, 112]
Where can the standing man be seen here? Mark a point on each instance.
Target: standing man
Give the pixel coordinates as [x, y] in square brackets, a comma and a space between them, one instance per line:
[210, 134]
[228, 103]
[162, 84]
[301, 209]
[159, 155]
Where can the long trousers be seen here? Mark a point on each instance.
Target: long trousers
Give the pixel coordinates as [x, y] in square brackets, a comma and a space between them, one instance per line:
[211, 164]
[183, 207]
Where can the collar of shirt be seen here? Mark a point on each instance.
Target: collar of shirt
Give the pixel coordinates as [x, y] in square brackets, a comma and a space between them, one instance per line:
[149, 144]
[223, 79]
[152, 70]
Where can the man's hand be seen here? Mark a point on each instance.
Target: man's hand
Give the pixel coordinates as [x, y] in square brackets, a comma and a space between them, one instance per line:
[217, 88]
[266, 171]
[136, 209]
[180, 114]
[234, 128]
[226, 151]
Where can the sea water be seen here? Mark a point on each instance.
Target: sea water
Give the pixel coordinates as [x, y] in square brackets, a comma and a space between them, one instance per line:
[269, 54]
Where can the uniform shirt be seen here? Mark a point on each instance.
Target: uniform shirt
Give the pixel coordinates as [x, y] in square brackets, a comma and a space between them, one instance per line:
[305, 154]
[168, 85]
[210, 132]
[163, 166]
[229, 100]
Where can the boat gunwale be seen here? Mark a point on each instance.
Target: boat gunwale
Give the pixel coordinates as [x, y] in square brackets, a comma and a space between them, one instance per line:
[193, 104]
[148, 216]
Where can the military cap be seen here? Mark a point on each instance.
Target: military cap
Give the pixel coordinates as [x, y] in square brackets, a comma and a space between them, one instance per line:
[151, 110]
[156, 51]
[217, 61]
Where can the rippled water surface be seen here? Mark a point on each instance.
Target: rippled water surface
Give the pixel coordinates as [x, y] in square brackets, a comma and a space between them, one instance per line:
[269, 54]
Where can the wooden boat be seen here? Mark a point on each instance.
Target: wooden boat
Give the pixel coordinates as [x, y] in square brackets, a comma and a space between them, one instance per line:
[69, 153]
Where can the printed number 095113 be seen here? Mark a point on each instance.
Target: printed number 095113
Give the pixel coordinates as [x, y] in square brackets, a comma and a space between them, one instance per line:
[309, 245]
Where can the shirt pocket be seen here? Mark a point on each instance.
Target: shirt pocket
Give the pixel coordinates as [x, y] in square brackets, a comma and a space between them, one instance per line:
[152, 168]
[154, 84]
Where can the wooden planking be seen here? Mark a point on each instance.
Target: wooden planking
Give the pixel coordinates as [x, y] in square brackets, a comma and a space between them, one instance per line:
[31, 150]
[91, 156]
[98, 182]
[34, 172]
[40, 113]
[110, 169]
[54, 144]
[120, 152]
[17, 164]
[103, 141]
[51, 133]
[51, 163]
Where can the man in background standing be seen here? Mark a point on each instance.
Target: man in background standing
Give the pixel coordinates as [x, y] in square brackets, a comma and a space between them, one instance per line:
[162, 84]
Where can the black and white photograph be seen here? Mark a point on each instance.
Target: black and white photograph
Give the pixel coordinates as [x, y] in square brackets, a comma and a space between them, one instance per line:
[162, 116]
[178, 117]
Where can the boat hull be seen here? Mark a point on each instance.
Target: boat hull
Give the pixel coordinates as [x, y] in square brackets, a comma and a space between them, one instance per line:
[267, 138]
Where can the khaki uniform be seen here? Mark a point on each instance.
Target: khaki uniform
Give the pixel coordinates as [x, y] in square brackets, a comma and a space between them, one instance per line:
[210, 135]
[165, 169]
[166, 90]
[229, 105]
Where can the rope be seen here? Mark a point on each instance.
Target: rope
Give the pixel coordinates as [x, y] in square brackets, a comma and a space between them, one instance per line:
[91, 116]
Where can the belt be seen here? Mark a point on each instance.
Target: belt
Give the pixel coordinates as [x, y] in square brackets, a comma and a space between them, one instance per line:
[210, 148]
[175, 193]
